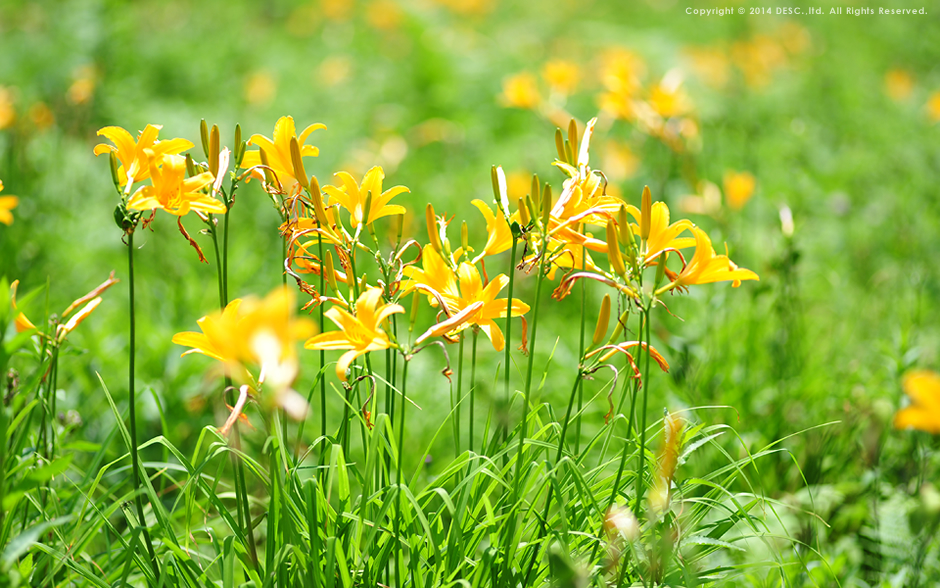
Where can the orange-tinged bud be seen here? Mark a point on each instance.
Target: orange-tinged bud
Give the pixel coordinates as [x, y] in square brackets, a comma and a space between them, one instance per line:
[613, 251]
[646, 213]
[523, 212]
[623, 223]
[318, 209]
[603, 319]
[268, 175]
[573, 138]
[329, 272]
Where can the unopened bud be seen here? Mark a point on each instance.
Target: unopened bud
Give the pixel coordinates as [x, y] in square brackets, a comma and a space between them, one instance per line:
[240, 146]
[190, 165]
[213, 155]
[298, 163]
[433, 235]
[318, 209]
[115, 173]
[573, 139]
[268, 174]
[329, 272]
[613, 251]
[546, 205]
[661, 269]
[204, 136]
[465, 237]
[646, 213]
[560, 146]
[523, 212]
[415, 305]
[623, 223]
[368, 208]
[603, 319]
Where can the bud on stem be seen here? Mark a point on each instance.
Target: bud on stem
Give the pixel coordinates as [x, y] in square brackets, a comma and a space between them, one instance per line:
[603, 319]
[646, 213]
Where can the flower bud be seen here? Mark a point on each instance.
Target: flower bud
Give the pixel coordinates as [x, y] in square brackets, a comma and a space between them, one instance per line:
[204, 136]
[661, 269]
[613, 250]
[573, 139]
[190, 165]
[523, 212]
[318, 209]
[546, 205]
[646, 213]
[603, 319]
[464, 237]
[433, 235]
[367, 208]
[329, 272]
[268, 174]
[560, 146]
[240, 146]
[213, 155]
[623, 223]
[298, 163]
[115, 174]
[415, 305]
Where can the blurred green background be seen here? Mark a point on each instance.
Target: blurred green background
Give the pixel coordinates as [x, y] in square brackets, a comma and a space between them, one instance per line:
[833, 115]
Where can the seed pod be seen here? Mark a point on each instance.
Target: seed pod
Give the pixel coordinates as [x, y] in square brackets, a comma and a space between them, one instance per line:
[433, 235]
[646, 213]
[298, 163]
[603, 319]
[613, 250]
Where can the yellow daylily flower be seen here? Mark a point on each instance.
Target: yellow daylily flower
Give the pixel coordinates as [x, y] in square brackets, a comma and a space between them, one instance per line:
[436, 276]
[256, 333]
[90, 301]
[561, 75]
[172, 191]
[359, 333]
[739, 187]
[923, 388]
[277, 151]
[706, 267]
[521, 91]
[353, 196]
[662, 234]
[7, 203]
[498, 233]
[135, 162]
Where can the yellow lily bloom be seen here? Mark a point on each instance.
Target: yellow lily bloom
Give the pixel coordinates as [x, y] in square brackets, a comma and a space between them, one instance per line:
[359, 333]
[498, 233]
[253, 332]
[90, 301]
[172, 191]
[923, 387]
[706, 267]
[277, 151]
[662, 234]
[135, 162]
[7, 203]
[353, 196]
[436, 276]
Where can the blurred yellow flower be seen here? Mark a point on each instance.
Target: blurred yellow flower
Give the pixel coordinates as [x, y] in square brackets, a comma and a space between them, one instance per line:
[621, 71]
[260, 88]
[933, 107]
[7, 111]
[135, 163]
[353, 197]
[899, 84]
[384, 15]
[360, 333]
[83, 86]
[338, 10]
[562, 76]
[277, 151]
[172, 191]
[758, 58]
[521, 91]
[923, 388]
[739, 187]
[711, 65]
[706, 267]
[7, 203]
[668, 98]
[41, 116]
[620, 162]
[256, 333]
[707, 200]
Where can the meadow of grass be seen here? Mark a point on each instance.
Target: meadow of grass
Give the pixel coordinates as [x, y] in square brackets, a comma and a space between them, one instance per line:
[805, 146]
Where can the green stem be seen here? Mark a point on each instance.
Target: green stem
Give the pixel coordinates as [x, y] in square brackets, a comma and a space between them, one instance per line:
[640, 487]
[473, 387]
[456, 401]
[577, 429]
[135, 458]
[512, 279]
[398, 475]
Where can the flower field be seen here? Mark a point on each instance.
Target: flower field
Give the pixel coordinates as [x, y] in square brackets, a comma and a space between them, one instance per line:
[468, 293]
